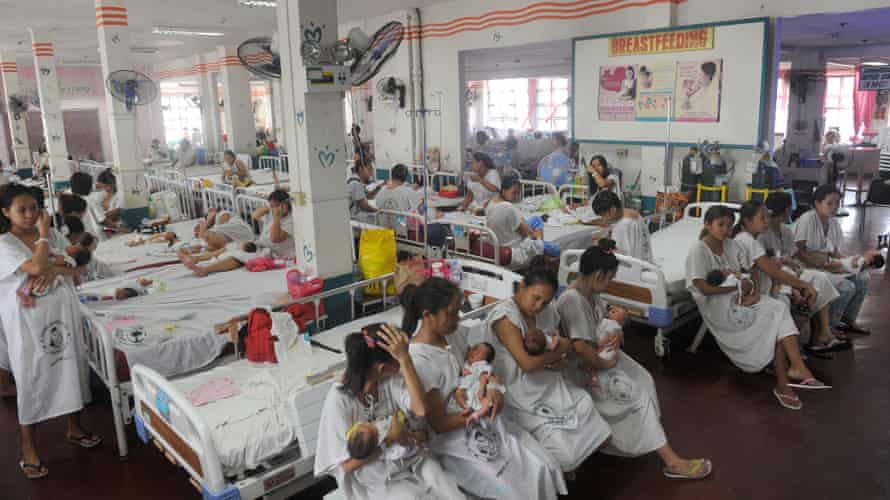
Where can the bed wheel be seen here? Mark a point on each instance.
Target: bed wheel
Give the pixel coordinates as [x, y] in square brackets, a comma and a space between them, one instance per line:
[662, 345]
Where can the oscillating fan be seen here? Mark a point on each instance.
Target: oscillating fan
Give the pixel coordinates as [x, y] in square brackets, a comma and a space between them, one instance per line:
[392, 87]
[382, 47]
[132, 88]
[258, 56]
[18, 105]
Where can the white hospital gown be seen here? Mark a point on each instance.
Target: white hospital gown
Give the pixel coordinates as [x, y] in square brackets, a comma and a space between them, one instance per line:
[286, 248]
[534, 398]
[524, 469]
[400, 198]
[504, 219]
[421, 478]
[822, 238]
[631, 235]
[234, 229]
[43, 341]
[754, 249]
[4, 351]
[481, 194]
[747, 335]
[626, 397]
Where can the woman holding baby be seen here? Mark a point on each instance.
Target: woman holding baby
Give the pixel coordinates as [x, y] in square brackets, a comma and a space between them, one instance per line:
[623, 391]
[489, 456]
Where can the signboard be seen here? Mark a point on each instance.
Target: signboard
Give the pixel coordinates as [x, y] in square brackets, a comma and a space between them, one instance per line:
[874, 78]
[662, 42]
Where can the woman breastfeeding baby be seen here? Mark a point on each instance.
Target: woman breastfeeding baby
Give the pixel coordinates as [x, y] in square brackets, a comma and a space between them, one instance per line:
[365, 439]
[490, 456]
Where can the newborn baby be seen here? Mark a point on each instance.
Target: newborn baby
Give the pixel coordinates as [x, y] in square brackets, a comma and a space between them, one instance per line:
[75, 256]
[364, 439]
[856, 263]
[537, 342]
[721, 278]
[473, 385]
[614, 320]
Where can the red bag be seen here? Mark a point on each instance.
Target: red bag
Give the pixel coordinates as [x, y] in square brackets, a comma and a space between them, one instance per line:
[259, 345]
[299, 286]
[259, 264]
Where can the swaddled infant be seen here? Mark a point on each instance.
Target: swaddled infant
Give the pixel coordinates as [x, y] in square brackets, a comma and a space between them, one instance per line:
[475, 375]
[74, 256]
[723, 278]
[856, 263]
[614, 320]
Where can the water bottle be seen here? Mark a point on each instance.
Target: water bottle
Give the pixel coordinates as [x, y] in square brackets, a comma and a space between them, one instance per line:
[456, 273]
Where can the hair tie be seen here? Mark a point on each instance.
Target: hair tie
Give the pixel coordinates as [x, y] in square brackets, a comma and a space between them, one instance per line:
[351, 431]
[369, 341]
[610, 251]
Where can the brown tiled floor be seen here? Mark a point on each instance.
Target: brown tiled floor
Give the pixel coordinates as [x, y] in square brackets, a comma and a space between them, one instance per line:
[836, 448]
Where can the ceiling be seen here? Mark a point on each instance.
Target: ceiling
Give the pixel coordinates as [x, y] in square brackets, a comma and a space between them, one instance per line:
[73, 23]
[851, 29]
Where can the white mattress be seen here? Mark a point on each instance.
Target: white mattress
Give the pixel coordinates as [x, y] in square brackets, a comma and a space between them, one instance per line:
[260, 177]
[276, 403]
[670, 246]
[122, 258]
[177, 324]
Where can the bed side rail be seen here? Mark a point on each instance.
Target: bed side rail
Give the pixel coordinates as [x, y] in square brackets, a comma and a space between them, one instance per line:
[219, 199]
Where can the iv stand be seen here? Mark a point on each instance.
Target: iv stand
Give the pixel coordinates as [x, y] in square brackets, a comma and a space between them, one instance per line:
[422, 115]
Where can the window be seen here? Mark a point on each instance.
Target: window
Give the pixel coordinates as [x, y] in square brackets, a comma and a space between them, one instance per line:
[839, 105]
[182, 116]
[782, 99]
[552, 112]
[507, 104]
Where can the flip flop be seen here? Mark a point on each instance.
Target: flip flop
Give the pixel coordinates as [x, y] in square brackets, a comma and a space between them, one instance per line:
[700, 468]
[789, 402]
[833, 345]
[33, 471]
[85, 441]
[811, 384]
[854, 329]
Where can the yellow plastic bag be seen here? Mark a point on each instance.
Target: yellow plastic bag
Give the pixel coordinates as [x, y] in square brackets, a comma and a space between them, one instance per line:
[377, 257]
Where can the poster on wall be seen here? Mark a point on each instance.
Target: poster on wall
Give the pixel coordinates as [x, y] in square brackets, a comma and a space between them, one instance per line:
[698, 91]
[655, 91]
[617, 93]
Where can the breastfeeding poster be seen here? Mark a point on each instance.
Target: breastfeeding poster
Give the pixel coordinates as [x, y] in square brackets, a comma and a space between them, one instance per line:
[698, 91]
[655, 90]
[617, 93]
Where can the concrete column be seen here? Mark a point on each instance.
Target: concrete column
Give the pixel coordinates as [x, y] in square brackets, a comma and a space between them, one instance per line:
[316, 138]
[209, 105]
[238, 109]
[18, 131]
[114, 51]
[806, 124]
[277, 116]
[51, 107]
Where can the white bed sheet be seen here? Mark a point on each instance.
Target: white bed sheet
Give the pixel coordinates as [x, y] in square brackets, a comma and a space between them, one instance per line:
[262, 421]
[122, 258]
[670, 246]
[561, 228]
[260, 177]
[177, 324]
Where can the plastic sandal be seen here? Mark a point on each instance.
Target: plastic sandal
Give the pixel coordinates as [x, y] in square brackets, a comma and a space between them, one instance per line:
[810, 384]
[700, 468]
[788, 402]
[85, 441]
[33, 471]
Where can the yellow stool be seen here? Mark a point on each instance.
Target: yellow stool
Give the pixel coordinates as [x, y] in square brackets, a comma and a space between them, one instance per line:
[701, 187]
[764, 192]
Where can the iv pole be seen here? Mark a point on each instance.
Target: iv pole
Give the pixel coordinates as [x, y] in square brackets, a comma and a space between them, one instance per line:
[422, 115]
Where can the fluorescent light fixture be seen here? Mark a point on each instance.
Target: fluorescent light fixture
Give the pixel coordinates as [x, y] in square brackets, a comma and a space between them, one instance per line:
[178, 31]
[258, 3]
[188, 84]
[144, 50]
[874, 63]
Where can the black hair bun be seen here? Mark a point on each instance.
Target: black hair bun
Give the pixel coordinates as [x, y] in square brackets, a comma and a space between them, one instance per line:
[606, 245]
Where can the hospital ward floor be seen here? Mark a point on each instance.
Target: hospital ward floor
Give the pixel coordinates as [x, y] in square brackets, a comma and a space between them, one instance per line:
[835, 448]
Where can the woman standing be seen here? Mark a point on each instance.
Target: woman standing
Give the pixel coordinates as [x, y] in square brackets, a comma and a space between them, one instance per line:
[43, 339]
[752, 330]
[558, 414]
[814, 287]
[817, 236]
[484, 183]
[625, 395]
[522, 468]
[379, 380]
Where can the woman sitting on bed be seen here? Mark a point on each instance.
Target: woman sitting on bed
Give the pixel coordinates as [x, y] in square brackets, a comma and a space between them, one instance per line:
[379, 383]
[628, 229]
[524, 237]
[624, 392]
[277, 225]
[235, 172]
[753, 330]
[518, 466]
[815, 289]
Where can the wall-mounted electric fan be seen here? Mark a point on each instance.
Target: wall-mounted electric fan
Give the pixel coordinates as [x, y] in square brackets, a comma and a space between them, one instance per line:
[132, 88]
[381, 47]
[260, 58]
[392, 88]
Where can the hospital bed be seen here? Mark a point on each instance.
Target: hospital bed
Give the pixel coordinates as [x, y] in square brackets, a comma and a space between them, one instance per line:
[655, 294]
[168, 331]
[248, 446]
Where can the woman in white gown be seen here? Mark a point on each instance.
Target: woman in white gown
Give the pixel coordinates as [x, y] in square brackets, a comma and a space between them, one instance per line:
[505, 219]
[7, 387]
[483, 183]
[560, 415]
[625, 394]
[510, 464]
[814, 287]
[754, 330]
[43, 340]
[628, 229]
[379, 380]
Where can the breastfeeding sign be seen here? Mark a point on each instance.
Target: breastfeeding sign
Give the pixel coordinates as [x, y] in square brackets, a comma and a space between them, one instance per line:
[874, 78]
[662, 42]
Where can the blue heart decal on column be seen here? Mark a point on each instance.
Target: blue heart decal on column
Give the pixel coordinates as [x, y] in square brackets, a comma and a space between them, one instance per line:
[308, 254]
[312, 35]
[301, 117]
[326, 158]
